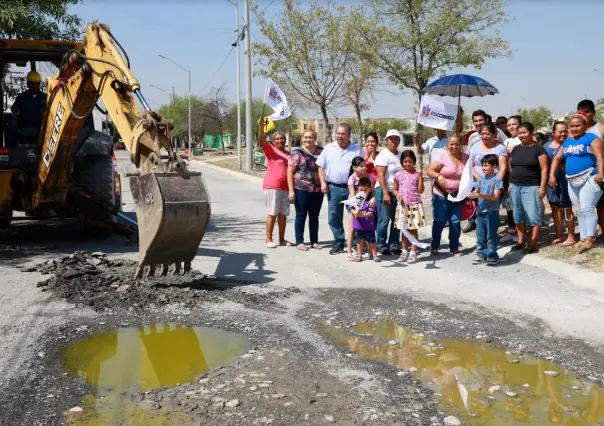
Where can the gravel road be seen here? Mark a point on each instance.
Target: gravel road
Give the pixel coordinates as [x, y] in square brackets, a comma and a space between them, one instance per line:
[282, 301]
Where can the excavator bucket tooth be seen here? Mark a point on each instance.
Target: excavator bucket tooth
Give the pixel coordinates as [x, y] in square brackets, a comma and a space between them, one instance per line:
[173, 213]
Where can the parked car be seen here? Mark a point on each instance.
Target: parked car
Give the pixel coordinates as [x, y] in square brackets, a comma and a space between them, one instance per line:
[120, 144]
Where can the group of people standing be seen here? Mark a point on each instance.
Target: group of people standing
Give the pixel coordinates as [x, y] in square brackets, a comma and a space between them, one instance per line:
[511, 167]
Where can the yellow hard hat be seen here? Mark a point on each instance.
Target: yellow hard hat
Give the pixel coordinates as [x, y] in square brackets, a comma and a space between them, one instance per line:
[34, 77]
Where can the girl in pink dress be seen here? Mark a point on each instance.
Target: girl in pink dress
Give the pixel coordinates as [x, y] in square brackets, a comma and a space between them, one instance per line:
[408, 188]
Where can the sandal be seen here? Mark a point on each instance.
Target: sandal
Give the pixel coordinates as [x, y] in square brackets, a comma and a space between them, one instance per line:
[530, 250]
[316, 246]
[350, 257]
[302, 247]
[285, 243]
[358, 259]
[568, 243]
[270, 244]
[517, 246]
[557, 241]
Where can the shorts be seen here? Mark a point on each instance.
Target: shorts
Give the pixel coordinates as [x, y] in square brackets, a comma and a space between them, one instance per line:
[558, 196]
[277, 201]
[527, 207]
[368, 236]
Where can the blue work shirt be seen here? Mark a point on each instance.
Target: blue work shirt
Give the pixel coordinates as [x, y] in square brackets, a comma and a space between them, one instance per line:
[487, 186]
[337, 161]
[579, 154]
[29, 109]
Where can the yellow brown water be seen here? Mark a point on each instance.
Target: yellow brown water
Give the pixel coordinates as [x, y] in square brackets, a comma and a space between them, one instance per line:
[472, 378]
[129, 360]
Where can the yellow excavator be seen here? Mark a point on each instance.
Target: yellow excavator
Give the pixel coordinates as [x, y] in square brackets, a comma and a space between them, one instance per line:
[65, 167]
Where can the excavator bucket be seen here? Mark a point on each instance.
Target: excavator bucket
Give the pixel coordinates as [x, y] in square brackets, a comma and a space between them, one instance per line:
[173, 213]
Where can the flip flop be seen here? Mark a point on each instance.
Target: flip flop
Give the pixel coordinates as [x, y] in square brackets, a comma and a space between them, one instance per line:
[285, 243]
[302, 247]
[316, 246]
[270, 244]
[568, 243]
[557, 241]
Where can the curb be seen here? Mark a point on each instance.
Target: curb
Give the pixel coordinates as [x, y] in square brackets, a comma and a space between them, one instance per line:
[581, 277]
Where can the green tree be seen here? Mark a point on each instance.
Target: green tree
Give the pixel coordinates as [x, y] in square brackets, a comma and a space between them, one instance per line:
[307, 48]
[541, 117]
[414, 41]
[178, 112]
[35, 20]
[39, 20]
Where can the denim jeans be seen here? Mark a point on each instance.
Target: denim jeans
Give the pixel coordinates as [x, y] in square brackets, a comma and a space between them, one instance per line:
[487, 224]
[307, 204]
[386, 220]
[585, 198]
[445, 211]
[526, 204]
[335, 213]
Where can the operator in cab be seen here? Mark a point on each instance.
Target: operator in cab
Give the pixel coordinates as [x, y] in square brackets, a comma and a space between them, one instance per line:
[29, 106]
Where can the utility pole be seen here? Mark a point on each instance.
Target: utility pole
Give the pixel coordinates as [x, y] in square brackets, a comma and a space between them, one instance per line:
[239, 157]
[249, 137]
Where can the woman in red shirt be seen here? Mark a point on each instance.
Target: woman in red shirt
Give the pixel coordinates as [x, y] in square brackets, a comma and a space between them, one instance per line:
[274, 185]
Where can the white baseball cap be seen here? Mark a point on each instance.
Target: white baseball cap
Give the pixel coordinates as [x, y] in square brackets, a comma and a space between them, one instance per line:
[393, 132]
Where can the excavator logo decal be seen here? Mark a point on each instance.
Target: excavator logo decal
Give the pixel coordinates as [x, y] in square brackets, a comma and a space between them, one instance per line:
[52, 146]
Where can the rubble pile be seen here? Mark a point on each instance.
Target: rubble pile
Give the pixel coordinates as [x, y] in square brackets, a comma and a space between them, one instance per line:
[94, 280]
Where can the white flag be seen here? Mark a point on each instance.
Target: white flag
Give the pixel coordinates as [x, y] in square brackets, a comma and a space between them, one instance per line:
[357, 201]
[466, 184]
[437, 114]
[275, 98]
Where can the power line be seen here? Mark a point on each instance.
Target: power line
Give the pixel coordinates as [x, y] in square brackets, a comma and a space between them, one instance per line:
[263, 10]
[217, 71]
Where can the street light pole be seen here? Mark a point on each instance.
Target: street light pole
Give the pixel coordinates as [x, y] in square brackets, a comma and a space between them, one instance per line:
[249, 137]
[162, 90]
[239, 162]
[189, 72]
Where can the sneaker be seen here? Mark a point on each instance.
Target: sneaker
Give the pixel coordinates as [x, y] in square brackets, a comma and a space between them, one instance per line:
[336, 250]
[492, 261]
[412, 257]
[404, 256]
[479, 260]
[456, 253]
[433, 252]
[377, 258]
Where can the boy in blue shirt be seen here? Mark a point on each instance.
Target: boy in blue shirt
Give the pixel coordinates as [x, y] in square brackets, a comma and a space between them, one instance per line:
[489, 191]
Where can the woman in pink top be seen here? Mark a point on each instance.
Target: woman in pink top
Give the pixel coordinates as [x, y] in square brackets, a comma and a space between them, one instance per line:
[370, 152]
[446, 170]
[274, 184]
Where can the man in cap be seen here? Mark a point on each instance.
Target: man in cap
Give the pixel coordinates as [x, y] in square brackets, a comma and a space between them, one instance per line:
[29, 106]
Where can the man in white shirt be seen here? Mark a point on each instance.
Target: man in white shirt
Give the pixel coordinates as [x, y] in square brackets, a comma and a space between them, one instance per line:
[387, 163]
[334, 169]
[432, 146]
[479, 118]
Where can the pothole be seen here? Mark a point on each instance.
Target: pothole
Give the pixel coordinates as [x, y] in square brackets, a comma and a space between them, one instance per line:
[477, 382]
[119, 363]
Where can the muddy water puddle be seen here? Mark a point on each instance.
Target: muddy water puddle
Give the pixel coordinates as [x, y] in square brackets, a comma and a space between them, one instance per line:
[122, 362]
[479, 383]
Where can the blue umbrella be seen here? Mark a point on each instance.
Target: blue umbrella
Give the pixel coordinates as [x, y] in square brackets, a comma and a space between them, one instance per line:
[458, 85]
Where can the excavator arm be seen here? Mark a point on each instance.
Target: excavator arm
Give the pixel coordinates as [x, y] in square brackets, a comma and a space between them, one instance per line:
[172, 203]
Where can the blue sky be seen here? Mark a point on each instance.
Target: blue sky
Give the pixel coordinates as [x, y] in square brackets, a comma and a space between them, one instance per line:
[556, 48]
